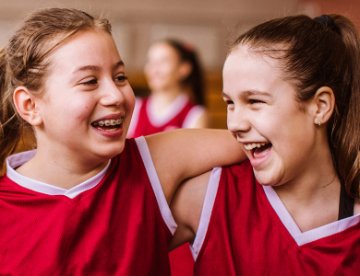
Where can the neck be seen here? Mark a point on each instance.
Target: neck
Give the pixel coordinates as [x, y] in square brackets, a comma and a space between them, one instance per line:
[308, 191]
[58, 170]
[166, 97]
[312, 197]
[162, 104]
[314, 177]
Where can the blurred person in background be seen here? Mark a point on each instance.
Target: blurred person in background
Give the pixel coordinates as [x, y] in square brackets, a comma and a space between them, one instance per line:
[176, 82]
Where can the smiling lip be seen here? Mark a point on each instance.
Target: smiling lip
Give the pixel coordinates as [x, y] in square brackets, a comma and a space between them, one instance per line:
[110, 117]
[110, 126]
[111, 133]
[257, 154]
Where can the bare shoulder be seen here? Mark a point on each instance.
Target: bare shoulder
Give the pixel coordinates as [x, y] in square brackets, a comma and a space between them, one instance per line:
[181, 154]
[187, 207]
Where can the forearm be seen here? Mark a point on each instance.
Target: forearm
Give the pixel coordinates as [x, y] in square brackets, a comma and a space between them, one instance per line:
[185, 153]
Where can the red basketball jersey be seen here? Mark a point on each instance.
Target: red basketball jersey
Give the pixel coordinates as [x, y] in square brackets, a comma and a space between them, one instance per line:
[246, 230]
[144, 122]
[113, 228]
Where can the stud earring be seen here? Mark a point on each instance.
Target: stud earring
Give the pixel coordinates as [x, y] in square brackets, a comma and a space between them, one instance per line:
[317, 122]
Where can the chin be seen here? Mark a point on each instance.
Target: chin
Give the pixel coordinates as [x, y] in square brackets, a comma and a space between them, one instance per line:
[265, 179]
[110, 151]
[117, 150]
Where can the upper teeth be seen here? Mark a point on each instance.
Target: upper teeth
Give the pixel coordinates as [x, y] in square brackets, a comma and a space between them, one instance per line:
[109, 122]
[253, 146]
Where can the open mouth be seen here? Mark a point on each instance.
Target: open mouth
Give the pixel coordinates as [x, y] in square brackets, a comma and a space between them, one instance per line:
[108, 124]
[257, 149]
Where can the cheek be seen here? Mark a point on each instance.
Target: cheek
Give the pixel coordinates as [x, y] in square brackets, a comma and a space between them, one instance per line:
[294, 142]
[231, 119]
[266, 124]
[299, 130]
[282, 126]
[169, 70]
[79, 110]
[130, 100]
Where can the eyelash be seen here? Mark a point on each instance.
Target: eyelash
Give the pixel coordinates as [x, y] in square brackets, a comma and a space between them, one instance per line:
[228, 102]
[94, 81]
[255, 101]
[121, 78]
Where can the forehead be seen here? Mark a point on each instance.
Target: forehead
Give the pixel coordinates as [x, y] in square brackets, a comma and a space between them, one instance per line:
[85, 47]
[246, 69]
[162, 49]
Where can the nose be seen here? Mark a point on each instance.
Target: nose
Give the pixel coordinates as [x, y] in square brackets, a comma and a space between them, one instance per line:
[113, 94]
[237, 121]
[151, 69]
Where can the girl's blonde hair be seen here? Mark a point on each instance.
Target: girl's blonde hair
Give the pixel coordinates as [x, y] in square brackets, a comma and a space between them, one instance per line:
[24, 62]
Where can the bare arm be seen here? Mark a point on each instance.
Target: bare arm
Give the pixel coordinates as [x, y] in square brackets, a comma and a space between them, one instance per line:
[181, 154]
[187, 206]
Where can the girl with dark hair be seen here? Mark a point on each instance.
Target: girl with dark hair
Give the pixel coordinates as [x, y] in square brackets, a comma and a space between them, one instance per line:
[176, 83]
[292, 89]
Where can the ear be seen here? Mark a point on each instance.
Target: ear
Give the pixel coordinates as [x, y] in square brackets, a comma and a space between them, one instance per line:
[185, 69]
[323, 103]
[25, 104]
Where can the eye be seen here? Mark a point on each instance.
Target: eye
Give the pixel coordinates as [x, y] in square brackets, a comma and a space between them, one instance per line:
[228, 102]
[255, 101]
[121, 79]
[89, 81]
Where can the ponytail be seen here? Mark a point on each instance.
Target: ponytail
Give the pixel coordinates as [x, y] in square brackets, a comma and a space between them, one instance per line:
[345, 133]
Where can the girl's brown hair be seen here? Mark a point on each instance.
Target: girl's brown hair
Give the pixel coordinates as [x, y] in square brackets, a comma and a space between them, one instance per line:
[24, 62]
[324, 51]
[195, 79]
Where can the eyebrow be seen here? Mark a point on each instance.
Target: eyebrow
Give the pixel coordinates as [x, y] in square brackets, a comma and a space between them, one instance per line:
[120, 63]
[250, 93]
[97, 68]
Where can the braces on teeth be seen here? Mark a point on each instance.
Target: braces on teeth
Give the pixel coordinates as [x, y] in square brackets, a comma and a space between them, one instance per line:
[109, 122]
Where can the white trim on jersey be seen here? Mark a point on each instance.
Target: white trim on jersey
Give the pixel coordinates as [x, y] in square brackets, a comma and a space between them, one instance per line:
[193, 116]
[205, 216]
[170, 112]
[155, 183]
[135, 117]
[16, 160]
[310, 235]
